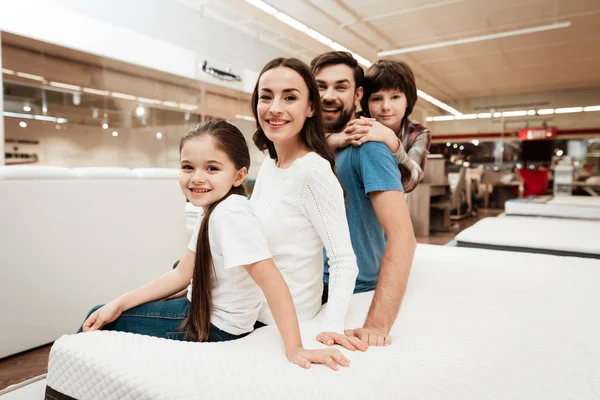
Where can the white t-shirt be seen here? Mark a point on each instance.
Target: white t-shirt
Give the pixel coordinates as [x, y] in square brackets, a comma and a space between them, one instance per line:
[301, 210]
[236, 239]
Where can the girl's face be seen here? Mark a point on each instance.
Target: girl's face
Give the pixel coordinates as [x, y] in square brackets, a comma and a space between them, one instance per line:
[207, 173]
[283, 104]
[388, 107]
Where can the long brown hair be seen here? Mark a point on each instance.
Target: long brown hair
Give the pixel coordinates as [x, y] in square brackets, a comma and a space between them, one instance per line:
[229, 139]
[312, 134]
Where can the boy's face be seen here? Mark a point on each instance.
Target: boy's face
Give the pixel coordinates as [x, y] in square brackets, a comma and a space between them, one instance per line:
[339, 95]
[388, 106]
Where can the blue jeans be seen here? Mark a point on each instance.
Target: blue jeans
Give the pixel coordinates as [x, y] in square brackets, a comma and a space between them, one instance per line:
[162, 319]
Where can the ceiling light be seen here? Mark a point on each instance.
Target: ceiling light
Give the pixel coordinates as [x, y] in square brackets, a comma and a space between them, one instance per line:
[23, 124]
[140, 110]
[291, 22]
[169, 104]
[30, 76]
[467, 116]
[317, 36]
[438, 103]
[148, 101]
[448, 144]
[514, 113]
[159, 135]
[444, 118]
[96, 91]
[65, 86]
[338, 47]
[560, 153]
[497, 114]
[475, 39]
[461, 148]
[475, 142]
[61, 120]
[188, 107]
[122, 96]
[484, 115]
[263, 6]
[244, 117]
[591, 108]
[27, 108]
[531, 112]
[429, 119]
[104, 125]
[546, 111]
[455, 146]
[568, 110]
[8, 71]
[115, 133]
[361, 60]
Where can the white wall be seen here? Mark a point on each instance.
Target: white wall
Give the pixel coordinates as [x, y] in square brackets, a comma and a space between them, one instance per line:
[1, 110]
[160, 34]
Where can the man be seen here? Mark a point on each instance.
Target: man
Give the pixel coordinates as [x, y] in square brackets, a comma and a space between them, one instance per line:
[376, 206]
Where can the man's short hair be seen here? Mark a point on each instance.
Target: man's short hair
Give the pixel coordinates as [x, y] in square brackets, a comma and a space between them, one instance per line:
[335, 58]
[389, 75]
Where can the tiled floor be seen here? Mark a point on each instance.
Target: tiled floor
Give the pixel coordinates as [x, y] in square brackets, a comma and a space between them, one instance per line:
[32, 363]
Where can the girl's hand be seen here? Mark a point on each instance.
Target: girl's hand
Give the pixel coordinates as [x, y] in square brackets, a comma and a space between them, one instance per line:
[351, 343]
[370, 130]
[102, 316]
[333, 358]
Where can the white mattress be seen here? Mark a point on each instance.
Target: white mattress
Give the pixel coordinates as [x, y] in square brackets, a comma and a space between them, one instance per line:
[575, 207]
[554, 235]
[472, 325]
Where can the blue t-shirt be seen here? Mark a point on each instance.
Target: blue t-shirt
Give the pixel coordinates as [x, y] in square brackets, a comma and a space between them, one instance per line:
[368, 168]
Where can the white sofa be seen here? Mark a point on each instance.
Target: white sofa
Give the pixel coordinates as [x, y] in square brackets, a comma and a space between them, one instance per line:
[71, 238]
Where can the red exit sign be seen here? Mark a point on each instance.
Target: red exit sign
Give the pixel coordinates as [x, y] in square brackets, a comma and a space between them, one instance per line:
[537, 133]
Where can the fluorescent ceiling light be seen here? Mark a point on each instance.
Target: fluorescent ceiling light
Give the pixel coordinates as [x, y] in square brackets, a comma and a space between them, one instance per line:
[531, 112]
[244, 117]
[8, 71]
[65, 86]
[429, 119]
[338, 47]
[476, 39]
[467, 116]
[30, 76]
[514, 113]
[317, 36]
[188, 107]
[263, 6]
[497, 114]
[148, 101]
[122, 96]
[35, 117]
[568, 110]
[546, 111]
[96, 91]
[591, 108]
[438, 103]
[291, 22]
[444, 118]
[362, 60]
[169, 104]
[484, 115]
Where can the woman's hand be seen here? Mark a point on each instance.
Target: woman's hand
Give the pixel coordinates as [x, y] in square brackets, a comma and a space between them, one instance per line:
[369, 130]
[102, 316]
[351, 343]
[333, 358]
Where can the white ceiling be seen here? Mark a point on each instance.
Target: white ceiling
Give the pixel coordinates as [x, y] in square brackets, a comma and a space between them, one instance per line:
[545, 61]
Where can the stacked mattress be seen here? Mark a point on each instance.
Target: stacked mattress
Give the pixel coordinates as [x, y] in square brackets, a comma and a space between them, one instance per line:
[473, 325]
[573, 207]
[577, 238]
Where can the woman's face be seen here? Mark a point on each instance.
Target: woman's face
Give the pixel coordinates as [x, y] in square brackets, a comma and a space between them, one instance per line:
[388, 107]
[283, 104]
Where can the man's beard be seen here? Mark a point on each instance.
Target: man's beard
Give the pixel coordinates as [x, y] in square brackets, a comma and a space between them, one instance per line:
[341, 121]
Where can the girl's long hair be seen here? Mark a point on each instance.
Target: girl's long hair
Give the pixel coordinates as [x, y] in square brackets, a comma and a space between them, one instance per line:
[229, 139]
[312, 134]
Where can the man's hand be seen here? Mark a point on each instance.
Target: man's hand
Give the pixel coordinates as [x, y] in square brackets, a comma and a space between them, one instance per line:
[373, 337]
[371, 131]
[351, 343]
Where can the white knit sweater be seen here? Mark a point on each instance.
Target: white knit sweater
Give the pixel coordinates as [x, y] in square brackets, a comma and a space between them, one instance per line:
[301, 209]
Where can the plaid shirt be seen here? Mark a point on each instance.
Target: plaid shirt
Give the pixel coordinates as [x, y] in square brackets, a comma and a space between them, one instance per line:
[416, 139]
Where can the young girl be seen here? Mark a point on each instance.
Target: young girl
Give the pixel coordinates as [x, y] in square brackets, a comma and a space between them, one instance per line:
[298, 199]
[227, 255]
[390, 94]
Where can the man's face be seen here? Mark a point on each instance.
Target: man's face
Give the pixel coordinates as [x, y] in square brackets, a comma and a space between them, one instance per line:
[339, 95]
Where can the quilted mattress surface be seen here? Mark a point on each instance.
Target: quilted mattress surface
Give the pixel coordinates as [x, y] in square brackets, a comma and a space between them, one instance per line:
[472, 325]
[553, 234]
[572, 207]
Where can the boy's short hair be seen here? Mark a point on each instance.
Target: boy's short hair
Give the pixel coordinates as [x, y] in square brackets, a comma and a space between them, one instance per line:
[386, 75]
[335, 58]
